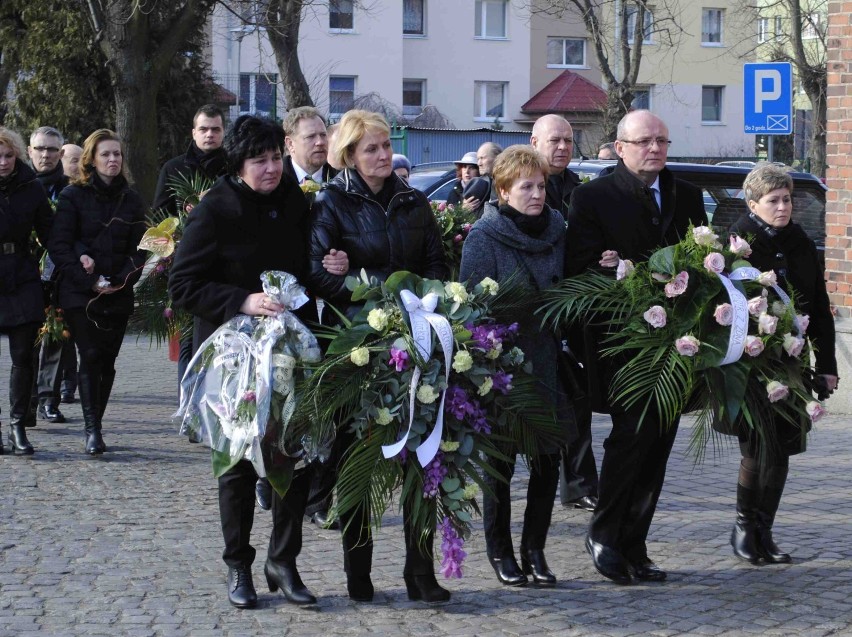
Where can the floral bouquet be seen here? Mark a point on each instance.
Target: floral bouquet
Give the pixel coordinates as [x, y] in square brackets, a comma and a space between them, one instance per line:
[428, 380]
[697, 328]
[455, 223]
[310, 188]
[239, 392]
[53, 329]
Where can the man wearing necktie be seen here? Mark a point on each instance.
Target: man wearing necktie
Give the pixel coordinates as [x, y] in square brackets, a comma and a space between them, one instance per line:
[307, 146]
[628, 214]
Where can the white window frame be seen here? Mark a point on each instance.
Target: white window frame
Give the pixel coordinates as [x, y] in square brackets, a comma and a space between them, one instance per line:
[812, 25]
[354, 78]
[251, 107]
[480, 97]
[479, 30]
[705, 16]
[564, 64]
[763, 30]
[778, 23]
[411, 113]
[647, 28]
[422, 33]
[721, 93]
[332, 29]
[642, 89]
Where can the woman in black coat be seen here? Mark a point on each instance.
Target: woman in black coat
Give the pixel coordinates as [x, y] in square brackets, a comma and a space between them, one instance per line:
[383, 225]
[23, 206]
[778, 244]
[249, 222]
[99, 222]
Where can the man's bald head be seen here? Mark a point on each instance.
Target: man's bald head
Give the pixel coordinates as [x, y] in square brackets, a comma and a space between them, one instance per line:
[553, 137]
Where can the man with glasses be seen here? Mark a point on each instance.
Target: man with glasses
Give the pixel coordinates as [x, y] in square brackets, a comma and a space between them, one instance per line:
[553, 137]
[45, 151]
[627, 215]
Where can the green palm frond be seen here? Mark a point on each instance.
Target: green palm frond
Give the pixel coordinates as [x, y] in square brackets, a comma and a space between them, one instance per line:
[590, 293]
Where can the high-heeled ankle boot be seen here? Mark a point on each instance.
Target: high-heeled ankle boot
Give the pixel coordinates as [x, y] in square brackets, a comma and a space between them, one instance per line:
[286, 577]
[20, 383]
[425, 588]
[769, 501]
[360, 588]
[534, 565]
[744, 533]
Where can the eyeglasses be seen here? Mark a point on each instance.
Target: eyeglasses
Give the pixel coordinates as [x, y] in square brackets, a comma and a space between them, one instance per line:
[46, 149]
[647, 141]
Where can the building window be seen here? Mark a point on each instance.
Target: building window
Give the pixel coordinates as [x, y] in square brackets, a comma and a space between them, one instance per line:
[414, 17]
[258, 94]
[489, 99]
[566, 53]
[631, 14]
[812, 26]
[341, 95]
[490, 19]
[341, 15]
[711, 104]
[777, 26]
[763, 29]
[413, 97]
[641, 99]
[711, 26]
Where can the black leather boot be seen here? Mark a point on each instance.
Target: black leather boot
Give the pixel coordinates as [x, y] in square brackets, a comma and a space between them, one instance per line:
[91, 414]
[241, 591]
[419, 572]
[534, 565]
[744, 534]
[770, 498]
[20, 390]
[107, 380]
[286, 577]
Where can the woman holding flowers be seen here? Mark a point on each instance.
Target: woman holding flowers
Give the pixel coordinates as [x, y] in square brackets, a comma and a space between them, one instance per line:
[523, 237]
[94, 243]
[249, 222]
[23, 208]
[780, 245]
[384, 226]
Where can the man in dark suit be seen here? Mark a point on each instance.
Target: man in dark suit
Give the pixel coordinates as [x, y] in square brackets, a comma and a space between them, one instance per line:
[553, 137]
[627, 215]
[307, 146]
[204, 156]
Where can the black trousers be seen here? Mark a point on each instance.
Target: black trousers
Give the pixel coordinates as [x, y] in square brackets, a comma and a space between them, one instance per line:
[579, 473]
[497, 508]
[236, 512]
[69, 366]
[632, 475]
[323, 477]
[49, 377]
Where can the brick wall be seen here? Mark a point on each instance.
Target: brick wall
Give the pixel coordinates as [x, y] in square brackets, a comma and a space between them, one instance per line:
[838, 214]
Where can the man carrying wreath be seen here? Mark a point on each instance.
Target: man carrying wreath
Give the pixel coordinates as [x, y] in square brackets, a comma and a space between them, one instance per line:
[626, 215]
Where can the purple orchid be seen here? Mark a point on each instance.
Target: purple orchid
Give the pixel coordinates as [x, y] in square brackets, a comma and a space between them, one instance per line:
[451, 547]
[399, 359]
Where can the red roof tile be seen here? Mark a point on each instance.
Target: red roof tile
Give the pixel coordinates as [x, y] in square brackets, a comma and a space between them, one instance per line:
[568, 93]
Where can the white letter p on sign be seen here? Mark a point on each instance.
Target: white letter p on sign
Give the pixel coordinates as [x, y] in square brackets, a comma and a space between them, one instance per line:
[761, 96]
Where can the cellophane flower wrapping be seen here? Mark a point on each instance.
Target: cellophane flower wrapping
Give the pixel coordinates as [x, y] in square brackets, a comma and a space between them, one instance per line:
[426, 418]
[239, 392]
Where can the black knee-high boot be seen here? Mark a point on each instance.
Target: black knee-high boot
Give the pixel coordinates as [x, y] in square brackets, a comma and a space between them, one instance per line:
[419, 571]
[89, 386]
[20, 390]
[744, 533]
[774, 479]
[107, 380]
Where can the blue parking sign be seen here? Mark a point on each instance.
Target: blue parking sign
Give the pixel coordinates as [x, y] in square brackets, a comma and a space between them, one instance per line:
[768, 93]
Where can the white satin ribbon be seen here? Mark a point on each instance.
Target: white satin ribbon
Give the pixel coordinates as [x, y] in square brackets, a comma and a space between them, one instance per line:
[423, 319]
[739, 303]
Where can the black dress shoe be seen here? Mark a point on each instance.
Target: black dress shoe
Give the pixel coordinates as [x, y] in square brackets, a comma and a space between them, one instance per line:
[425, 588]
[241, 591]
[320, 518]
[646, 571]
[508, 571]
[608, 562]
[286, 577]
[50, 413]
[587, 503]
[67, 397]
[360, 588]
[263, 493]
[534, 564]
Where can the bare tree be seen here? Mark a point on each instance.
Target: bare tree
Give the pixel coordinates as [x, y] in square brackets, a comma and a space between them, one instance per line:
[617, 30]
[140, 38]
[11, 30]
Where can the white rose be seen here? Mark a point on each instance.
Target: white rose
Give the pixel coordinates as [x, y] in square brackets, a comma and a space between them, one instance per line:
[656, 316]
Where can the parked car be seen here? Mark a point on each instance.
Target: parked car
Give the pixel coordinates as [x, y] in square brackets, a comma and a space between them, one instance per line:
[434, 180]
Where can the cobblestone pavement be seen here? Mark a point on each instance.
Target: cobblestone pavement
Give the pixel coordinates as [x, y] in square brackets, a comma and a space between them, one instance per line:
[129, 544]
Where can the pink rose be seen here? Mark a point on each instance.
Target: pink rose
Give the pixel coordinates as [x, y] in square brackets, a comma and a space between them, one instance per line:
[740, 246]
[753, 346]
[724, 314]
[757, 305]
[793, 344]
[442, 206]
[766, 324]
[656, 316]
[687, 345]
[775, 391]
[677, 285]
[714, 262]
[815, 410]
[625, 267]
[768, 278]
[458, 238]
[804, 321]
